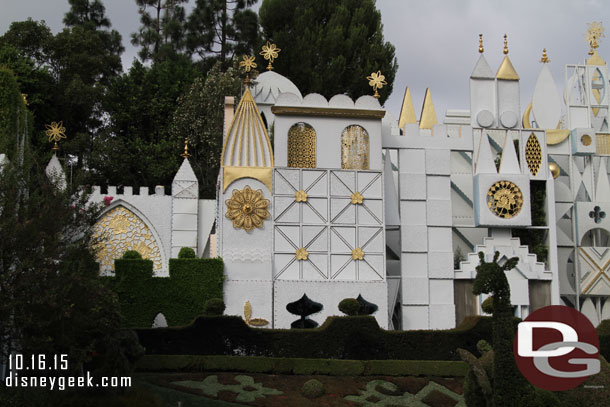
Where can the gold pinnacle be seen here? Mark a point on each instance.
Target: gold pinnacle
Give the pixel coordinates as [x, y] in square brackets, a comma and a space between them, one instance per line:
[545, 59]
[595, 32]
[376, 81]
[247, 64]
[55, 132]
[186, 154]
[505, 45]
[481, 50]
[270, 52]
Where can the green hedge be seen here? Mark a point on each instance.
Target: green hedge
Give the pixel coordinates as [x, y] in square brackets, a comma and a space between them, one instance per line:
[181, 297]
[356, 338]
[331, 367]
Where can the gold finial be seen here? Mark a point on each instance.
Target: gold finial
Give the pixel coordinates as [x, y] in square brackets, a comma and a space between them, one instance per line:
[505, 44]
[270, 52]
[481, 49]
[595, 32]
[376, 80]
[186, 148]
[545, 59]
[55, 132]
[24, 97]
[247, 63]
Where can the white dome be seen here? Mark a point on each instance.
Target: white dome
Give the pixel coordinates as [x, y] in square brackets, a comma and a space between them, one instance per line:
[269, 85]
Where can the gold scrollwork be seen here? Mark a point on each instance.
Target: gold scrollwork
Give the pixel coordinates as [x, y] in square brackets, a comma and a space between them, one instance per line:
[505, 199]
[247, 209]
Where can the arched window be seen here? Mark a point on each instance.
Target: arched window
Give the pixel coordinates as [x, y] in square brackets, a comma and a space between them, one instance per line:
[355, 148]
[302, 146]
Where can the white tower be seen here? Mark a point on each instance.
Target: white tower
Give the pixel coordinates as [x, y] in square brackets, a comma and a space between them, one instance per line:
[185, 204]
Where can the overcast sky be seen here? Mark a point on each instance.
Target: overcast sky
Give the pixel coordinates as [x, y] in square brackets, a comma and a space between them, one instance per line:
[436, 40]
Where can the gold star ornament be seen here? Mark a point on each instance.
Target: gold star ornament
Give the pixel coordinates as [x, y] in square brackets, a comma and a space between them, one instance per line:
[376, 81]
[270, 52]
[55, 132]
[595, 32]
[247, 63]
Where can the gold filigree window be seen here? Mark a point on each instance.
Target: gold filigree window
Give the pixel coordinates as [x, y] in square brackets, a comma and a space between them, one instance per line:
[505, 199]
[355, 148]
[302, 146]
[533, 154]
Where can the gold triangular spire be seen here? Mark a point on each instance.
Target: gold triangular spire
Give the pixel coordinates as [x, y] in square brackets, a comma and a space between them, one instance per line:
[407, 112]
[507, 71]
[428, 114]
[595, 59]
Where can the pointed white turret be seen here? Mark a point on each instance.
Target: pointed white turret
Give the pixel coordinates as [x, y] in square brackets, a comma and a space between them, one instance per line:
[185, 200]
[602, 189]
[56, 173]
[485, 163]
[482, 92]
[509, 163]
[507, 82]
[546, 103]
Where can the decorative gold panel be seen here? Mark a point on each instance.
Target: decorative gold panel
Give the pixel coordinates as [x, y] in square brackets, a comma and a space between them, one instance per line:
[602, 145]
[302, 146]
[533, 154]
[355, 148]
[120, 230]
[505, 199]
[247, 209]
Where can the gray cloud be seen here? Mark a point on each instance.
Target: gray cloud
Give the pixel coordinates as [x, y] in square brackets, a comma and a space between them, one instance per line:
[436, 40]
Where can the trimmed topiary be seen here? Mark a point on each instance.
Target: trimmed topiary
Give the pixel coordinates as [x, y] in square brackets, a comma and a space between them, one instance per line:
[132, 255]
[349, 306]
[187, 253]
[214, 306]
[312, 389]
[488, 305]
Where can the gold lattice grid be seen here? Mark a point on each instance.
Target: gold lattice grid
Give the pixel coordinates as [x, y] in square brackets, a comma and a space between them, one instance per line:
[302, 146]
[533, 154]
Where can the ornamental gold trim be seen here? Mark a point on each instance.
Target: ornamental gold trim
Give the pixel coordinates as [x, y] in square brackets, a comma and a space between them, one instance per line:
[327, 112]
[302, 254]
[248, 317]
[357, 198]
[505, 199]
[247, 209]
[357, 254]
[300, 196]
[232, 174]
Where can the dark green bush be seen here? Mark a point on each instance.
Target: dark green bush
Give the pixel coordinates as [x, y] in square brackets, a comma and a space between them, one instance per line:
[214, 306]
[181, 297]
[187, 253]
[488, 305]
[312, 389]
[349, 306]
[132, 255]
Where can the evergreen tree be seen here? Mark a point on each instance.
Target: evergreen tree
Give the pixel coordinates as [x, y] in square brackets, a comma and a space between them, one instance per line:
[162, 32]
[329, 47]
[220, 29]
[200, 117]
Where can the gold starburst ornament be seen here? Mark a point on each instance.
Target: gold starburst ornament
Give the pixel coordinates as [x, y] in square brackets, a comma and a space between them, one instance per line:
[357, 198]
[270, 52]
[300, 196]
[357, 254]
[595, 32]
[247, 209]
[55, 132]
[247, 63]
[376, 81]
[302, 254]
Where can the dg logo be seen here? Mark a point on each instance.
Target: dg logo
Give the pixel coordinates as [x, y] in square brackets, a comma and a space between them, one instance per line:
[556, 348]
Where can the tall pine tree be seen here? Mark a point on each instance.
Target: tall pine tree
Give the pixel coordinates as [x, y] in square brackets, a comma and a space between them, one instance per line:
[329, 47]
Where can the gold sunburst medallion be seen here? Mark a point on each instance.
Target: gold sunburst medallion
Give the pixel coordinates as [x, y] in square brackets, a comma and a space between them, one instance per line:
[505, 199]
[247, 209]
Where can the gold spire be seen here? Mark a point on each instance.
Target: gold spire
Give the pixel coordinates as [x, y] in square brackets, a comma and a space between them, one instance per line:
[55, 132]
[247, 63]
[505, 45]
[186, 148]
[376, 81]
[545, 59]
[506, 70]
[427, 118]
[407, 112]
[481, 49]
[270, 52]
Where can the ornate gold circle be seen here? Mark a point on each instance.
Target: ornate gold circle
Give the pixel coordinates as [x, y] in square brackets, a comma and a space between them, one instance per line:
[247, 209]
[586, 140]
[505, 199]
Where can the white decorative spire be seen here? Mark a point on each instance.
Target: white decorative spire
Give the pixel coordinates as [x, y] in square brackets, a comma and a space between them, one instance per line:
[546, 103]
[509, 163]
[56, 173]
[485, 162]
[482, 70]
